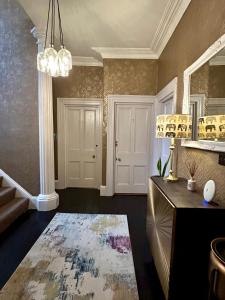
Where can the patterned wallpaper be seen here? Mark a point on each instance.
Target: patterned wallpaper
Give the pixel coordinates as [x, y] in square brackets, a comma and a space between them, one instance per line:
[129, 77]
[209, 80]
[19, 151]
[216, 82]
[206, 170]
[83, 82]
[200, 80]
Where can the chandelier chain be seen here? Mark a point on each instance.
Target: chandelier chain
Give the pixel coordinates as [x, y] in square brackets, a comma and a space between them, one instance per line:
[60, 26]
[47, 26]
[52, 23]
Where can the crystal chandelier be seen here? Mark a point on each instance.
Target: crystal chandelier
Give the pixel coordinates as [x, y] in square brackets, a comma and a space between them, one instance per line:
[50, 61]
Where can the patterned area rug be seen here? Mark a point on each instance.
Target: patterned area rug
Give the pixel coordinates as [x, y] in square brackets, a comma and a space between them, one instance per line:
[77, 257]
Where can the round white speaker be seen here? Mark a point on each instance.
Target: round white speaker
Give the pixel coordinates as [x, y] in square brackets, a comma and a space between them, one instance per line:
[209, 190]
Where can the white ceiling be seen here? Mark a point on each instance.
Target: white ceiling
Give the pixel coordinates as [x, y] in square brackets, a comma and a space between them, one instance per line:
[116, 28]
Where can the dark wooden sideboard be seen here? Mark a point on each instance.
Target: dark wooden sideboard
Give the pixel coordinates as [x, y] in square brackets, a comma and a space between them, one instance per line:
[180, 227]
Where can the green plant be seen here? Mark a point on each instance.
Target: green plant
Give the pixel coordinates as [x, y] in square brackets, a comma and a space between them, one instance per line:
[162, 171]
[159, 166]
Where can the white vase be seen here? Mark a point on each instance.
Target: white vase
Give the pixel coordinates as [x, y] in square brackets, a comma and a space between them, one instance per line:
[191, 185]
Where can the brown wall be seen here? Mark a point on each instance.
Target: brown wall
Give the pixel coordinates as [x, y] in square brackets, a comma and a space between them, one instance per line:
[130, 76]
[209, 80]
[200, 80]
[217, 82]
[83, 82]
[18, 97]
[202, 24]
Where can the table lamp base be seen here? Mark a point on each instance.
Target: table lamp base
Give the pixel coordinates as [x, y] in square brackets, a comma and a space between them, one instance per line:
[171, 177]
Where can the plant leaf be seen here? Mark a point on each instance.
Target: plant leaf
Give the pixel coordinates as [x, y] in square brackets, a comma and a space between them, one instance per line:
[165, 166]
[159, 166]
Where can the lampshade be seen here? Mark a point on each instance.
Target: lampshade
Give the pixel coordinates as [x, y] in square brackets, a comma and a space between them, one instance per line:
[211, 127]
[178, 126]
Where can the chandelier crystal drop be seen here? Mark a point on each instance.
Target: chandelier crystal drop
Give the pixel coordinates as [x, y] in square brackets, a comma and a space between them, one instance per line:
[50, 61]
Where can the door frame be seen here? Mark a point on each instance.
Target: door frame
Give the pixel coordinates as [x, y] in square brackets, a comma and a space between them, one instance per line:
[113, 100]
[62, 104]
[168, 92]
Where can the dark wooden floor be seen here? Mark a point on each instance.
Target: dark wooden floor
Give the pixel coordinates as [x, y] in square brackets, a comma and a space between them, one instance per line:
[17, 240]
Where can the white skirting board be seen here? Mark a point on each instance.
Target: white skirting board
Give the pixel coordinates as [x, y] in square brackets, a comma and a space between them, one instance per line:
[20, 191]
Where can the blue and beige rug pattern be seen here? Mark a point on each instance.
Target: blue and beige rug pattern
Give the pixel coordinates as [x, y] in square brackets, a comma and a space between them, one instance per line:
[77, 257]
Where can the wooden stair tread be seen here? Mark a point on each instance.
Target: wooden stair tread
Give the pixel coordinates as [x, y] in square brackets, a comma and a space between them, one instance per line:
[15, 201]
[11, 206]
[6, 194]
[10, 211]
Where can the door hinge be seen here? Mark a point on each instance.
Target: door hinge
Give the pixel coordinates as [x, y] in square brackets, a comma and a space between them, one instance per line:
[116, 143]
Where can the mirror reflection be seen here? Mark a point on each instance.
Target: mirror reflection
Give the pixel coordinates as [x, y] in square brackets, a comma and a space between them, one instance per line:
[207, 100]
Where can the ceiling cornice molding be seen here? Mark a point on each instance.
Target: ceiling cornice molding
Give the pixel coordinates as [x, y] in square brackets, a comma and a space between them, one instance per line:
[125, 53]
[38, 34]
[86, 61]
[169, 21]
[217, 61]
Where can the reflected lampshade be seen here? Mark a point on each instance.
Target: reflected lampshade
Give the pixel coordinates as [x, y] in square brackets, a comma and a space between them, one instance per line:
[178, 126]
[211, 127]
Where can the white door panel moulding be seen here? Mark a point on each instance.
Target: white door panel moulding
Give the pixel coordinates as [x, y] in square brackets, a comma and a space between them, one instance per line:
[169, 21]
[62, 105]
[113, 100]
[129, 53]
[86, 61]
[133, 133]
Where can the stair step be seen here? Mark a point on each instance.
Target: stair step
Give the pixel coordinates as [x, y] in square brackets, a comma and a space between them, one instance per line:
[1, 179]
[6, 194]
[10, 211]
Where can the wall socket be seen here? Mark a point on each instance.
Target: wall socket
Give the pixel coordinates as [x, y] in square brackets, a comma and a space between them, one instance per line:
[222, 158]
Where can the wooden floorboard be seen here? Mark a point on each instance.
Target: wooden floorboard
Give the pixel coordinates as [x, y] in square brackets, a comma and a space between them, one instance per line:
[17, 240]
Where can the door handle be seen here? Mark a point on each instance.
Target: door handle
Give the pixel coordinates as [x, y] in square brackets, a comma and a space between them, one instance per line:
[119, 159]
[93, 156]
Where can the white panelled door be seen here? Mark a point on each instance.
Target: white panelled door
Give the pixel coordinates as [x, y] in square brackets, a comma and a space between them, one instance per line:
[82, 140]
[132, 154]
